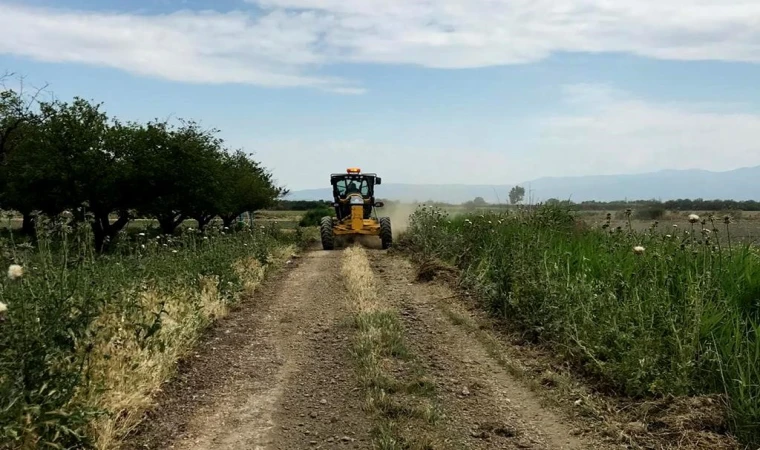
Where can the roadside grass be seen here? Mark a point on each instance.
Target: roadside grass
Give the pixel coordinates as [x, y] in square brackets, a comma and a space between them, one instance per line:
[87, 340]
[641, 315]
[397, 392]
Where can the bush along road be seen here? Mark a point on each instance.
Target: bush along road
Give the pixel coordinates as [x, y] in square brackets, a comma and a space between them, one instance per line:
[362, 348]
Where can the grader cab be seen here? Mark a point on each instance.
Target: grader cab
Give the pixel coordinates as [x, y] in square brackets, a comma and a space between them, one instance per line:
[355, 209]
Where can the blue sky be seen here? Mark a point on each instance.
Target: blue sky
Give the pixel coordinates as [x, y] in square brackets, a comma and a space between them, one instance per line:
[427, 91]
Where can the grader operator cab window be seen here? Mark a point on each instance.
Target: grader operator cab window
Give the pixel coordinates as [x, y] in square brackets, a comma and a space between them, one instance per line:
[347, 187]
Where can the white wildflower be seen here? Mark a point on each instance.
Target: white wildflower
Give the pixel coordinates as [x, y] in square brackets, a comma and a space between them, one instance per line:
[638, 250]
[142, 246]
[693, 218]
[15, 271]
[174, 251]
[141, 234]
[3, 307]
[668, 236]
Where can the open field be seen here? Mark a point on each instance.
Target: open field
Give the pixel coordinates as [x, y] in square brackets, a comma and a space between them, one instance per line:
[745, 224]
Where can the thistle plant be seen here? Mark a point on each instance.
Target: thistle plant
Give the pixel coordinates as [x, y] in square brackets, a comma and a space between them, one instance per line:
[644, 313]
[78, 330]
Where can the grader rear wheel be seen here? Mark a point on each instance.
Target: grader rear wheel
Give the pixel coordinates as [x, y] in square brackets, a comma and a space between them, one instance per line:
[327, 234]
[386, 233]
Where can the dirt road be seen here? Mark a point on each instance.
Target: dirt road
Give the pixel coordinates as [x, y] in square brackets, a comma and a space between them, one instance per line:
[285, 371]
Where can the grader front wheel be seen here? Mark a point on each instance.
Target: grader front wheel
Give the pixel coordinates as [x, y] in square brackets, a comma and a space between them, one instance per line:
[327, 234]
[386, 233]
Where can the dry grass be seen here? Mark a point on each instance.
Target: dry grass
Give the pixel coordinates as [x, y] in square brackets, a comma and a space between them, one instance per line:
[360, 281]
[129, 372]
[396, 391]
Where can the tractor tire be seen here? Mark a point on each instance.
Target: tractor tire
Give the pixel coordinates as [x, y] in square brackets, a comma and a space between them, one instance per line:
[327, 234]
[386, 233]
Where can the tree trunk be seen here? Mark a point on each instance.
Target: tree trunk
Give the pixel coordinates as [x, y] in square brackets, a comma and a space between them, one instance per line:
[102, 228]
[99, 235]
[228, 219]
[203, 221]
[113, 229]
[28, 225]
[170, 223]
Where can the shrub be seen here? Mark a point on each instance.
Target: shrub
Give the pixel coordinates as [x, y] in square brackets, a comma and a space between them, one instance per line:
[313, 217]
[649, 213]
[642, 313]
[85, 340]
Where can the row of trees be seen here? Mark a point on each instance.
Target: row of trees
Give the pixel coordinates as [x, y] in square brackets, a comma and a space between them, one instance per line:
[697, 204]
[58, 157]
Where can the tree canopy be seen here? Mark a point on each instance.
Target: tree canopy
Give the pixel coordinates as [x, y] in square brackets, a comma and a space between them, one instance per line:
[516, 195]
[71, 156]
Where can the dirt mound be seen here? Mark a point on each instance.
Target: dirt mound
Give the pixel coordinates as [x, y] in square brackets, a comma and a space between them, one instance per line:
[693, 419]
[434, 270]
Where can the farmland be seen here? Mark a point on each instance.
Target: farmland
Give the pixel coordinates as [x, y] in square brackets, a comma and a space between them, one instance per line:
[160, 293]
[609, 314]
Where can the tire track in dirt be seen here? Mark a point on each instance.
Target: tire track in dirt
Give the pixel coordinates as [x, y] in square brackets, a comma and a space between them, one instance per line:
[272, 375]
[485, 407]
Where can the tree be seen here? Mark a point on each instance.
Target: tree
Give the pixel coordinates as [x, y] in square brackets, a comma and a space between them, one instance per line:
[17, 120]
[61, 163]
[176, 173]
[479, 201]
[516, 195]
[248, 187]
[15, 112]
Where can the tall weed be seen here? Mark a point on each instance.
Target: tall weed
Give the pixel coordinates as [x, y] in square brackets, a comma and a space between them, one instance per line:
[643, 313]
[85, 341]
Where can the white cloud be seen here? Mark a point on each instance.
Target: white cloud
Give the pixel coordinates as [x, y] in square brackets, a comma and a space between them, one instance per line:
[206, 47]
[618, 133]
[288, 40]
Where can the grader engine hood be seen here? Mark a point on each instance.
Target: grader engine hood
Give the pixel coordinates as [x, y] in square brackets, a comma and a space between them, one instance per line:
[355, 199]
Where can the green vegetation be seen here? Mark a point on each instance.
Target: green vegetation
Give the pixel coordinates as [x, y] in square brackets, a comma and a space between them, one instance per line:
[59, 158]
[516, 195]
[95, 313]
[641, 313]
[312, 217]
[300, 205]
[85, 340]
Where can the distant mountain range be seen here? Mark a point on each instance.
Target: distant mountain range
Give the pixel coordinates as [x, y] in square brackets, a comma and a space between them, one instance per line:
[739, 184]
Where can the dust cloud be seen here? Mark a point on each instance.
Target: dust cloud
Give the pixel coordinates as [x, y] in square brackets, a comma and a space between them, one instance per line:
[399, 214]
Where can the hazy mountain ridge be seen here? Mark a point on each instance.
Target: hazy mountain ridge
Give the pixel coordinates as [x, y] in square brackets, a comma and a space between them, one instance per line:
[739, 184]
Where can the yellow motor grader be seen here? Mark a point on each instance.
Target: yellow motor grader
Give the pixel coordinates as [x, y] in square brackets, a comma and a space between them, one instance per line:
[355, 209]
